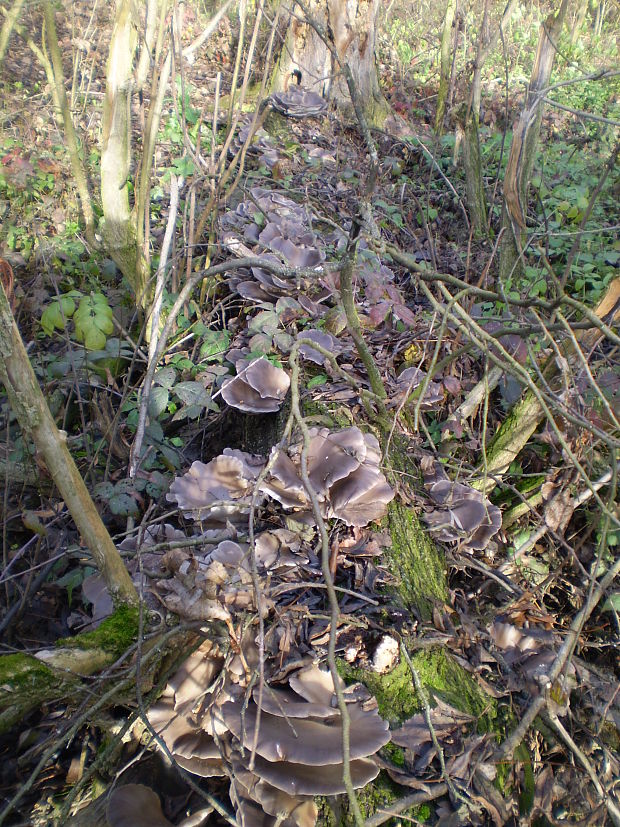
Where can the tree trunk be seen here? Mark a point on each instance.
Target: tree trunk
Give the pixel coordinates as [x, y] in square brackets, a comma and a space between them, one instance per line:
[445, 66]
[119, 229]
[351, 28]
[35, 419]
[523, 152]
[77, 165]
[10, 20]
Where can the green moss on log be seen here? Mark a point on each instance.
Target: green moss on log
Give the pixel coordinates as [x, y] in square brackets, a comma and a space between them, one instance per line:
[25, 683]
[416, 561]
[114, 635]
[379, 795]
[442, 677]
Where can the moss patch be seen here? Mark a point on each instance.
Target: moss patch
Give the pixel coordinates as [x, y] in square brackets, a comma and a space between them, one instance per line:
[114, 635]
[416, 561]
[378, 795]
[25, 683]
[440, 675]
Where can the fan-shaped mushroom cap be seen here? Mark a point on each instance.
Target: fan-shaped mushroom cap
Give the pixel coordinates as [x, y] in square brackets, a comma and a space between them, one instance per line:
[360, 498]
[322, 338]
[297, 102]
[463, 514]
[343, 468]
[230, 476]
[195, 674]
[284, 484]
[308, 738]
[258, 388]
[301, 779]
[135, 805]
[314, 684]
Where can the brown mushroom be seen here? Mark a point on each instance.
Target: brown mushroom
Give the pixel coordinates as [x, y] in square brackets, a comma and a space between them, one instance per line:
[218, 491]
[462, 514]
[259, 387]
[135, 805]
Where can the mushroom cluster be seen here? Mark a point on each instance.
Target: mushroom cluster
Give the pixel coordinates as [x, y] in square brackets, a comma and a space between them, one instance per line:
[343, 469]
[270, 220]
[259, 387]
[261, 144]
[409, 380]
[461, 514]
[210, 723]
[220, 491]
[344, 472]
[297, 102]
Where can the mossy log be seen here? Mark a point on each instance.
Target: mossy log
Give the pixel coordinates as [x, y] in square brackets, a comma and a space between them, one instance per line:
[27, 682]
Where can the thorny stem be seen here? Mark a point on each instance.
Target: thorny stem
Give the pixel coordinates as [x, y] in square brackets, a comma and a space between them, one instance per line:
[329, 584]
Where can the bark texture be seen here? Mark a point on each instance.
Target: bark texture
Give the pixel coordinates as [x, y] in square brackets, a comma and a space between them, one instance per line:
[350, 27]
[32, 413]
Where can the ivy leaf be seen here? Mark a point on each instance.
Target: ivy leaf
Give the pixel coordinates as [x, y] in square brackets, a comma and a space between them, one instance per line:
[93, 321]
[121, 498]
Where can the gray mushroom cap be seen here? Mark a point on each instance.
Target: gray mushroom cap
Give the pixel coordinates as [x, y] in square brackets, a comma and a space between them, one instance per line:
[297, 102]
[229, 476]
[301, 779]
[135, 805]
[462, 513]
[322, 338]
[312, 739]
[258, 388]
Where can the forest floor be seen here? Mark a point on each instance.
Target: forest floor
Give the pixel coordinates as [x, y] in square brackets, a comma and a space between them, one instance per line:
[517, 576]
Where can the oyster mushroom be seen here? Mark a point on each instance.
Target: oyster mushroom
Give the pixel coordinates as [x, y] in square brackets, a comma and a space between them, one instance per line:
[299, 731]
[135, 805]
[324, 340]
[218, 491]
[461, 514]
[257, 802]
[181, 715]
[258, 388]
[343, 468]
[297, 102]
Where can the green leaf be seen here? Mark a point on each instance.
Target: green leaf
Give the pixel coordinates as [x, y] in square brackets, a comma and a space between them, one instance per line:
[71, 580]
[55, 314]
[612, 604]
[192, 393]
[158, 400]
[215, 343]
[321, 379]
[93, 321]
[165, 377]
